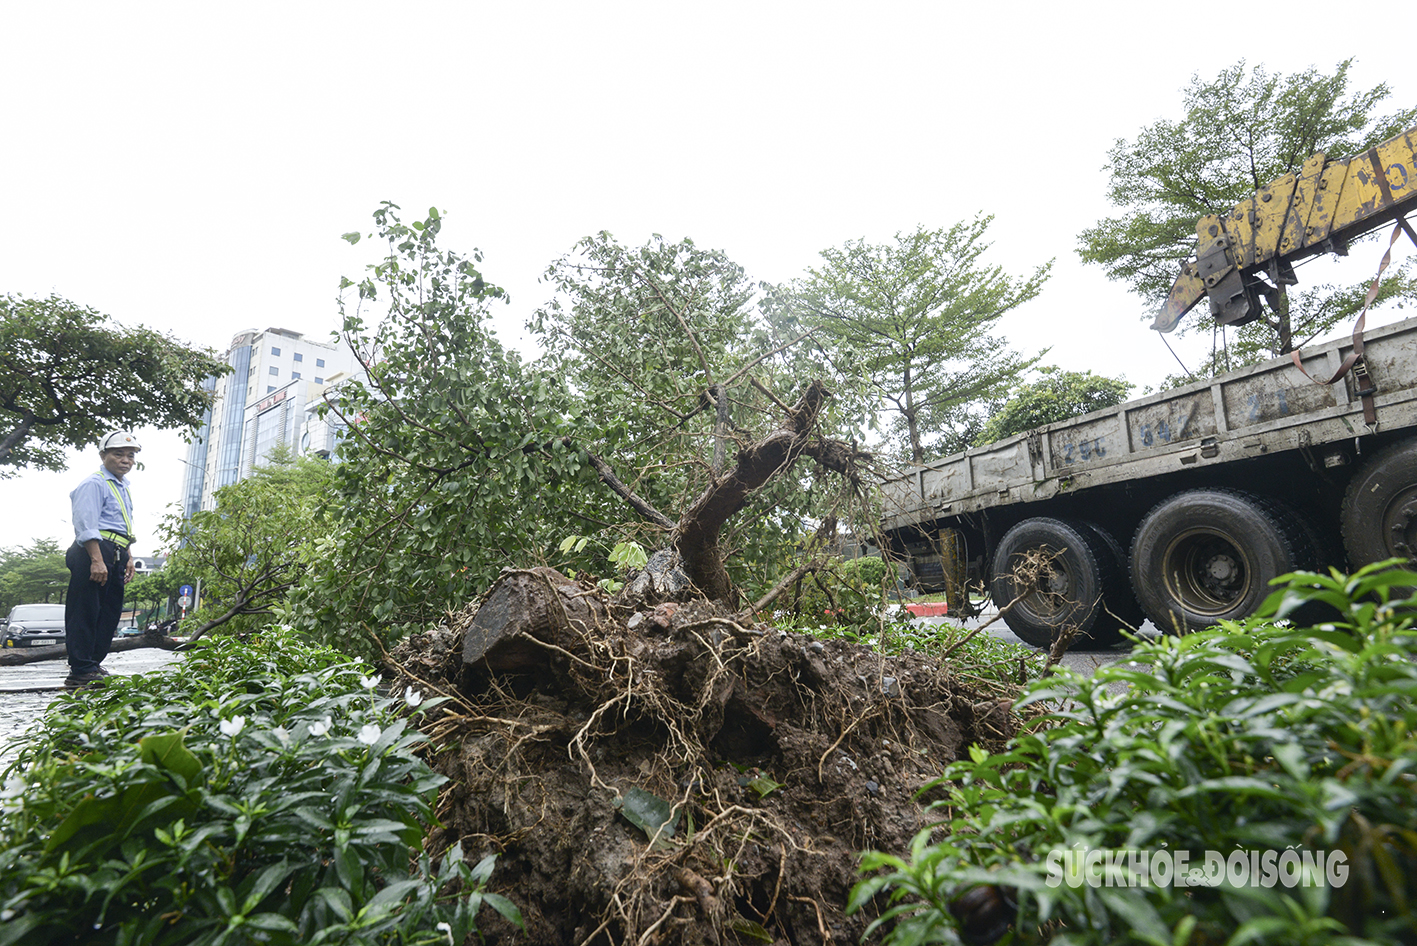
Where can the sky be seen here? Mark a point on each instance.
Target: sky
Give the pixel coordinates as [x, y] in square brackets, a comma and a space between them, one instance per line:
[191, 167]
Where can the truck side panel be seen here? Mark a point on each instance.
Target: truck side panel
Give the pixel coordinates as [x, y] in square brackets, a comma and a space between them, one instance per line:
[1263, 409]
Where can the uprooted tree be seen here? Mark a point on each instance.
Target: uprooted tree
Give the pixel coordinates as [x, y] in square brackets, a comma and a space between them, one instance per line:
[582, 727]
[660, 383]
[666, 342]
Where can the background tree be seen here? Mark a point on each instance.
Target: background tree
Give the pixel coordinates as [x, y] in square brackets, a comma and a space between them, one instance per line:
[32, 575]
[149, 593]
[1241, 131]
[1056, 395]
[68, 375]
[252, 549]
[906, 328]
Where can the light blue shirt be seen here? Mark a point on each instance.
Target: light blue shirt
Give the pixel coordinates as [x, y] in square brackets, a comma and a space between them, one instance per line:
[96, 508]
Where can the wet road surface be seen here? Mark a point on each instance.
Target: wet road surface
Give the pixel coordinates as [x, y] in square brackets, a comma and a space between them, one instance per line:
[1082, 658]
[19, 710]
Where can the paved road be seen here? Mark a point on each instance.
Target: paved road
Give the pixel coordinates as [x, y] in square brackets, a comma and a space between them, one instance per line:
[19, 710]
[1080, 658]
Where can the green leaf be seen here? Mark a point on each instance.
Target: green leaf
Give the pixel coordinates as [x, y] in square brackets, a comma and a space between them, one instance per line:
[267, 880]
[351, 237]
[337, 899]
[750, 929]
[650, 813]
[506, 908]
[764, 786]
[168, 752]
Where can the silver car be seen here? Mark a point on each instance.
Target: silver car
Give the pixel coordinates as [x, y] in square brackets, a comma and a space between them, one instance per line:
[34, 624]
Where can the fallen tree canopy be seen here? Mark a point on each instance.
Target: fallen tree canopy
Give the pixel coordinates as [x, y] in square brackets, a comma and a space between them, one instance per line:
[670, 775]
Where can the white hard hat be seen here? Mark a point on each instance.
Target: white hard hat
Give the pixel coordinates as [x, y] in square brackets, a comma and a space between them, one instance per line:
[117, 439]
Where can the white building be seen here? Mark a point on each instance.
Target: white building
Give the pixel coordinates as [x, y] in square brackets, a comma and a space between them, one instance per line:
[276, 375]
[320, 435]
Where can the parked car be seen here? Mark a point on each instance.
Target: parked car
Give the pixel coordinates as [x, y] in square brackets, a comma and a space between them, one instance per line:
[34, 624]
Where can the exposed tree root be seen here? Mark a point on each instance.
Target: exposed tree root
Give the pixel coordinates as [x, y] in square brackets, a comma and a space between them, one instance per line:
[781, 757]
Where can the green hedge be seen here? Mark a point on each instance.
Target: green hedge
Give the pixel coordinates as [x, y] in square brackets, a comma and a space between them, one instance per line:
[1296, 743]
[261, 791]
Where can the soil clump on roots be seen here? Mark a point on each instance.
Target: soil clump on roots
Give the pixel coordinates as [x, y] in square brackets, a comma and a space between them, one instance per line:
[665, 774]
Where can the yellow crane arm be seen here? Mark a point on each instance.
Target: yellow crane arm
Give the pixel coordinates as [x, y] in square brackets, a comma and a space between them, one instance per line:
[1315, 211]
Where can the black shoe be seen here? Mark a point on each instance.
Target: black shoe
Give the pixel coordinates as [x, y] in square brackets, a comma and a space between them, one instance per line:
[101, 672]
[77, 681]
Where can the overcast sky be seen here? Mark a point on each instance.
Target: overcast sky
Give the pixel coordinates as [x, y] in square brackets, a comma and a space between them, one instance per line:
[191, 166]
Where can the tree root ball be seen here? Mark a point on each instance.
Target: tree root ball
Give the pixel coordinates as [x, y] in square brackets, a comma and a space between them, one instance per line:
[762, 762]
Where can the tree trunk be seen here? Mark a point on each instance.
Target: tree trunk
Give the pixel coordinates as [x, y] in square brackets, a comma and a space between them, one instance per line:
[15, 656]
[697, 534]
[16, 436]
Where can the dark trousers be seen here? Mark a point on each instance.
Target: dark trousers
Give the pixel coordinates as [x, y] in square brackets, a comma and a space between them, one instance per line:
[91, 610]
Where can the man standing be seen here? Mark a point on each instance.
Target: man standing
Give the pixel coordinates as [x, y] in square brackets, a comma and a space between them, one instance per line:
[99, 561]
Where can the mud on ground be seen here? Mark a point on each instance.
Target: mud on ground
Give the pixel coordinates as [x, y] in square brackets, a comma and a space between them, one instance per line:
[776, 757]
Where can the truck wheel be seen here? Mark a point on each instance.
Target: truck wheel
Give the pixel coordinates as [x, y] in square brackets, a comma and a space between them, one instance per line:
[1068, 586]
[1380, 507]
[1208, 555]
[1121, 611]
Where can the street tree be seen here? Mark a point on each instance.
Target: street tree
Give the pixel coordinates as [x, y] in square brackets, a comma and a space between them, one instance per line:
[250, 551]
[908, 327]
[1240, 131]
[651, 333]
[1055, 395]
[146, 593]
[33, 574]
[69, 373]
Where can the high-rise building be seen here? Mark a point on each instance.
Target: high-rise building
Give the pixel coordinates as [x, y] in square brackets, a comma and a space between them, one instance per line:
[262, 403]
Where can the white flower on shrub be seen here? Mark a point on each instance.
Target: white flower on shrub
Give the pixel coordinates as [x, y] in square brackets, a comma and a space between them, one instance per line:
[370, 683]
[282, 734]
[448, 931]
[1336, 690]
[233, 726]
[322, 727]
[370, 734]
[412, 697]
[12, 797]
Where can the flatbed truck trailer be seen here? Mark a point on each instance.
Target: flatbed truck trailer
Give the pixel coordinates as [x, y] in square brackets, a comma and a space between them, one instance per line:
[1184, 505]
[1180, 506]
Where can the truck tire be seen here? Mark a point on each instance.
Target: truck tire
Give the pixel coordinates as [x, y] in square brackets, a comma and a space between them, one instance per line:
[1122, 611]
[1207, 555]
[1380, 508]
[1081, 568]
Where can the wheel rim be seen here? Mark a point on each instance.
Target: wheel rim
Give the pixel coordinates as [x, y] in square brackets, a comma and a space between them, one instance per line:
[1399, 526]
[1052, 600]
[1206, 572]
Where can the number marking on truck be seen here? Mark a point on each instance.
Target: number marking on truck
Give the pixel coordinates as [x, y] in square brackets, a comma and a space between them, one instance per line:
[1084, 450]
